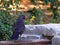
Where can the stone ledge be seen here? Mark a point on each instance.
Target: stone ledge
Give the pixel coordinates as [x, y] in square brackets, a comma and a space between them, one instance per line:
[40, 42]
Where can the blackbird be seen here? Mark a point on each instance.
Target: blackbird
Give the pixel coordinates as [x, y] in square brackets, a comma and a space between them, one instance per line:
[18, 27]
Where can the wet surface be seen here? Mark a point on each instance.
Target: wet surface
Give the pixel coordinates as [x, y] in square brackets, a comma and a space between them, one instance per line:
[28, 37]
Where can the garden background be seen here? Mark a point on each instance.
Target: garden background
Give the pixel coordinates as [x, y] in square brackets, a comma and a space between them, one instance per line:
[36, 11]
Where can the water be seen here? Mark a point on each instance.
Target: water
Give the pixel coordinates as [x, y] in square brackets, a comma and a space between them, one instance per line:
[29, 37]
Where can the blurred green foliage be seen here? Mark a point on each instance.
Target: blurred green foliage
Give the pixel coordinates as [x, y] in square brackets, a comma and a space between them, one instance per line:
[6, 23]
[54, 10]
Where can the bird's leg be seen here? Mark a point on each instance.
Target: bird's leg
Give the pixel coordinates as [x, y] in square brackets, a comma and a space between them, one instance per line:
[20, 37]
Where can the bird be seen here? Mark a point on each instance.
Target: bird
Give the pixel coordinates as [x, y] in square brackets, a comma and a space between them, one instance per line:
[18, 27]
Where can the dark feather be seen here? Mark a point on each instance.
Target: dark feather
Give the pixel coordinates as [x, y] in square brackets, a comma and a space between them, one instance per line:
[19, 24]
